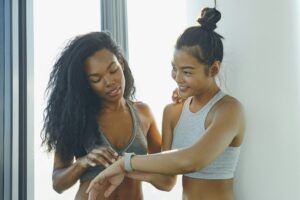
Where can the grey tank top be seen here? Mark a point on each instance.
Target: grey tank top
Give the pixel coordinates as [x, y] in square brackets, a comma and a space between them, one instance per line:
[136, 144]
[190, 128]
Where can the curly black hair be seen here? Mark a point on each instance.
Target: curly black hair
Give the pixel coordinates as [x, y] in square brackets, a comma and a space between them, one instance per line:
[70, 116]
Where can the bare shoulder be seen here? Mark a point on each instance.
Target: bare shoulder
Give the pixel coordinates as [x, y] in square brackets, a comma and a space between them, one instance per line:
[229, 104]
[173, 108]
[228, 112]
[227, 107]
[172, 113]
[142, 107]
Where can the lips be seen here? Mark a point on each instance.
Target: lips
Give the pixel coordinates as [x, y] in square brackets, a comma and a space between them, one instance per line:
[114, 92]
[182, 88]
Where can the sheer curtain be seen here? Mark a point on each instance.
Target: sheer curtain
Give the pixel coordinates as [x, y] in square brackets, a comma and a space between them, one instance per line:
[114, 19]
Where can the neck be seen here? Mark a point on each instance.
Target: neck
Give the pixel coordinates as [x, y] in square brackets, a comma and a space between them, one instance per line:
[114, 106]
[204, 97]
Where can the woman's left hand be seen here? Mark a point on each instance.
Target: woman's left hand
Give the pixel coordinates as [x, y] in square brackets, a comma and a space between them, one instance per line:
[176, 98]
[111, 176]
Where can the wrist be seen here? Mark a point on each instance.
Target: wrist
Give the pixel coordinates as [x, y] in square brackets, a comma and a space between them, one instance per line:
[127, 162]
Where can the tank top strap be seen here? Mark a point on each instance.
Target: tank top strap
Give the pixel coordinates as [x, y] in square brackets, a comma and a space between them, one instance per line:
[219, 95]
[135, 118]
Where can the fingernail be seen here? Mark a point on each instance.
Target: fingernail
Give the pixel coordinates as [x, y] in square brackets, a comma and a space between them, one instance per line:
[106, 165]
[116, 154]
[113, 160]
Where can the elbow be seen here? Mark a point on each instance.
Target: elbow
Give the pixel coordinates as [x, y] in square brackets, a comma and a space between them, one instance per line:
[191, 165]
[170, 184]
[57, 186]
[57, 189]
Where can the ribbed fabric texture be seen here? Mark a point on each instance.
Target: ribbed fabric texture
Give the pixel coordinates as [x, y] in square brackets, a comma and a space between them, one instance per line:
[137, 144]
[190, 128]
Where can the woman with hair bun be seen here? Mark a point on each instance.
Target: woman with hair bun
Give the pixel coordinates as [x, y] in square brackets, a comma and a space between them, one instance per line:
[204, 132]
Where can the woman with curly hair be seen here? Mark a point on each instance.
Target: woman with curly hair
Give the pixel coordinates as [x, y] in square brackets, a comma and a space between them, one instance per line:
[91, 118]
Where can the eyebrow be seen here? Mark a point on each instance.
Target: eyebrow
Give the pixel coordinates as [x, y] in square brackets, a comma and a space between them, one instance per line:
[109, 66]
[183, 67]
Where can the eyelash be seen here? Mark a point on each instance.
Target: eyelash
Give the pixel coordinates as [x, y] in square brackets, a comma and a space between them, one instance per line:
[189, 73]
[96, 81]
[114, 71]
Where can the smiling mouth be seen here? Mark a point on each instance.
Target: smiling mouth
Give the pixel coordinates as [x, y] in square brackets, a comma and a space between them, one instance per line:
[114, 92]
[182, 88]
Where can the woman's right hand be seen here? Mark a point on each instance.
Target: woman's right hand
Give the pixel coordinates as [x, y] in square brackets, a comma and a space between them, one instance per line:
[102, 155]
[111, 177]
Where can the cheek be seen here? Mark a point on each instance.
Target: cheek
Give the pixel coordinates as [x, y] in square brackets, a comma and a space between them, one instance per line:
[192, 81]
[97, 88]
[120, 77]
[173, 74]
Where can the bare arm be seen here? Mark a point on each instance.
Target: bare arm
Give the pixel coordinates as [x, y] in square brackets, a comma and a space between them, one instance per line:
[227, 123]
[161, 182]
[67, 172]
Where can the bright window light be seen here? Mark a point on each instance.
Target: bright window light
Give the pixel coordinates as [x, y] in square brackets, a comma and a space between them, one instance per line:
[55, 21]
[153, 27]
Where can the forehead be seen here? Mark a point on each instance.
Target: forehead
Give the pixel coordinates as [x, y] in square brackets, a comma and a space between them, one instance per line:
[100, 59]
[183, 58]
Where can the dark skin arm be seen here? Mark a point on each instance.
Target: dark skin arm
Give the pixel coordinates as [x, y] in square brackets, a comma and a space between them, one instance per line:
[67, 172]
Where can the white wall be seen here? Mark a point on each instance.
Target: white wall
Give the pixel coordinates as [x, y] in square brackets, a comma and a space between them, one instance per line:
[262, 70]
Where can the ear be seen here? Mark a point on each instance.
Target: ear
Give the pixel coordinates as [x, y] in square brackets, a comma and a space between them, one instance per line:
[215, 68]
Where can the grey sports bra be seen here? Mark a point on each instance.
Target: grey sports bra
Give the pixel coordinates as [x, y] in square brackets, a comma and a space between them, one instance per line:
[190, 128]
[137, 144]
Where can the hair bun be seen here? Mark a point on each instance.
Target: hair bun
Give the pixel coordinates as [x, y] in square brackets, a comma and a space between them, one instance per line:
[209, 18]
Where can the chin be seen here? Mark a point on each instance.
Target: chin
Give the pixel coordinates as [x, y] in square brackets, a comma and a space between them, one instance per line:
[184, 95]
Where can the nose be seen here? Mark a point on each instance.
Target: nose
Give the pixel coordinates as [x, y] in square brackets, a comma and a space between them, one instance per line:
[177, 76]
[109, 81]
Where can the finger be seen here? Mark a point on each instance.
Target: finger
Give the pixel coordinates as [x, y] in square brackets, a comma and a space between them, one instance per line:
[98, 160]
[91, 185]
[91, 163]
[110, 189]
[106, 153]
[107, 148]
[92, 195]
[94, 183]
[101, 161]
[112, 151]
